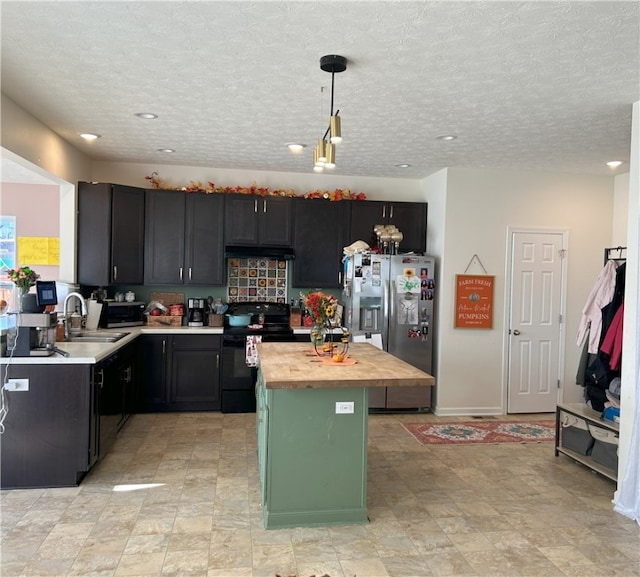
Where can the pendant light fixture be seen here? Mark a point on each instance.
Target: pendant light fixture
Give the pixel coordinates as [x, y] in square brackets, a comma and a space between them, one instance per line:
[324, 154]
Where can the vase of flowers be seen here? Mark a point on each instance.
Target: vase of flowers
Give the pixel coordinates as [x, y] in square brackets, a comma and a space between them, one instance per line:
[23, 278]
[321, 308]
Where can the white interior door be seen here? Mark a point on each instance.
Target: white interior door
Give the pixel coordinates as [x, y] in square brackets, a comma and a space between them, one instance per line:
[535, 324]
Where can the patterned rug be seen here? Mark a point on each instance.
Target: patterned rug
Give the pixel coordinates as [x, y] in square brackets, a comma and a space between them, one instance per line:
[476, 432]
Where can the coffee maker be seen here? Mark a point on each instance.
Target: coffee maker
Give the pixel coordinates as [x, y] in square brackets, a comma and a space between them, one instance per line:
[195, 312]
[34, 336]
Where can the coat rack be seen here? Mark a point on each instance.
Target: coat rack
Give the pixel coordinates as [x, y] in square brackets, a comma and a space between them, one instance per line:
[619, 249]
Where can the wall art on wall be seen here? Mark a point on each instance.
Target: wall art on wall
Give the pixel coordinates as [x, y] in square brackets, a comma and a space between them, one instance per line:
[474, 302]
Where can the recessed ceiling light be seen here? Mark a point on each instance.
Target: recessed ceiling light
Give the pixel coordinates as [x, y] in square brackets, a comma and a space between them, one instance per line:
[146, 115]
[295, 147]
[167, 150]
[446, 137]
[614, 163]
[402, 165]
[90, 136]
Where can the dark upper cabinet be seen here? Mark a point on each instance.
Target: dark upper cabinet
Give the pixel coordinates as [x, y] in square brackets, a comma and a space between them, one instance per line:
[258, 221]
[110, 234]
[183, 234]
[204, 249]
[409, 217]
[320, 233]
[164, 237]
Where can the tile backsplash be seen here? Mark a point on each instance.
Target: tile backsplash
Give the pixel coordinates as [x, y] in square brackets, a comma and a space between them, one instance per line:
[257, 279]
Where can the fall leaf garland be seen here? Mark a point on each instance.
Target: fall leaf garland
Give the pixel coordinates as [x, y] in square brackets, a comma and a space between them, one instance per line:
[210, 188]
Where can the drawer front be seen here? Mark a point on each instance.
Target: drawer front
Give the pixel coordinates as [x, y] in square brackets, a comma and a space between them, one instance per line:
[206, 342]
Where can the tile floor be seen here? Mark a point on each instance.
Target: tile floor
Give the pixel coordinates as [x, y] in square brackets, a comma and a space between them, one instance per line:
[494, 510]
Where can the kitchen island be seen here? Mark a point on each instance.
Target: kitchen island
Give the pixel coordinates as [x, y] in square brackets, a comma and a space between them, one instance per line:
[312, 430]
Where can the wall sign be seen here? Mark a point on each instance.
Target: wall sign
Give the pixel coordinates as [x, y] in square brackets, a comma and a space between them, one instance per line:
[474, 301]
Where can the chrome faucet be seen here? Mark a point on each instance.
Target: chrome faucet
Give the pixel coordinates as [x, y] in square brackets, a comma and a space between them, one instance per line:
[83, 305]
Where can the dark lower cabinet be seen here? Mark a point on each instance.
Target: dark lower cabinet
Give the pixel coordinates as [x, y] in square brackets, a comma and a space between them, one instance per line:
[116, 379]
[180, 372]
[67, 420]
[51, 436]
[153, 353]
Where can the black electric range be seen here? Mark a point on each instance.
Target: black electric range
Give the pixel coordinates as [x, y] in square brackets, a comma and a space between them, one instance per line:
[269, 321]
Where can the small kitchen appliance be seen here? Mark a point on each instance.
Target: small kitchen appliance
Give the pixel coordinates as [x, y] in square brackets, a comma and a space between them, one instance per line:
[195, 312]
[34, 336]
[122, 314]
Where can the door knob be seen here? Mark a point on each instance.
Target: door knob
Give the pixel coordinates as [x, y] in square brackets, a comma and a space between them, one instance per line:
[516, 332]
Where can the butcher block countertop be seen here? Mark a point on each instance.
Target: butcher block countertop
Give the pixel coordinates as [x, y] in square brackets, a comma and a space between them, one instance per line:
[294, 366]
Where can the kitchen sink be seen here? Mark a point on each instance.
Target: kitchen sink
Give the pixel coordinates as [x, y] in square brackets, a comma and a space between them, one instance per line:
[96, 337]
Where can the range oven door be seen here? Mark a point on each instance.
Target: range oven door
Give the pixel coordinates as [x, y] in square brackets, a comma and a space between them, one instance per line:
[238, 380]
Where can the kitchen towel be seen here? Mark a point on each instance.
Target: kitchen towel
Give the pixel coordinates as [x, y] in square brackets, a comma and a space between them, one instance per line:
[251, 351]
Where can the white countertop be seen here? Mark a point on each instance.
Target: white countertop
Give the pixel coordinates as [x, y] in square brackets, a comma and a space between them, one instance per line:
[91, 353]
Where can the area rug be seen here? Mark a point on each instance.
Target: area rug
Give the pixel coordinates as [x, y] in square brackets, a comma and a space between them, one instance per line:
[477, 432]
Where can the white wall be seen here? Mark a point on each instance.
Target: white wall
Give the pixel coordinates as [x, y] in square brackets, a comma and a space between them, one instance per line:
[630, 392]
[620, 210]
[33, 146]
[435, 189]
[30, 139]
[480, 205]
[133, 174]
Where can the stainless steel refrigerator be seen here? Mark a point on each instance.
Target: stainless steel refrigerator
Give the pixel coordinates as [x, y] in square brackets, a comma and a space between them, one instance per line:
[388, 301]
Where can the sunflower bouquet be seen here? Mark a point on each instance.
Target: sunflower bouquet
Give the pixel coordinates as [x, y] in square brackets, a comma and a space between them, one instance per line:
[320, 306]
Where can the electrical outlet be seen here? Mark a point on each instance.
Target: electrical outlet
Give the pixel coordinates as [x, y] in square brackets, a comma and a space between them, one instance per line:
[344, 408]
[17, 385]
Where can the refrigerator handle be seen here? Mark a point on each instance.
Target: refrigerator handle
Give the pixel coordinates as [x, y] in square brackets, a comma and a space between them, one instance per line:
[392, 311]
[385, 315]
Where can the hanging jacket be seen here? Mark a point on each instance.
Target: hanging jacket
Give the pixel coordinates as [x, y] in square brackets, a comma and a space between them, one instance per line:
[600, 296]
[612, 342]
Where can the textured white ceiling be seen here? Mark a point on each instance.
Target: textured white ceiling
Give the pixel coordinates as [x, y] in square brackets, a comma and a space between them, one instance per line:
[524, 85]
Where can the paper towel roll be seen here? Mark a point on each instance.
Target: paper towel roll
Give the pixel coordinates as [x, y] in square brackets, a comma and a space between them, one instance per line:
[94, 308]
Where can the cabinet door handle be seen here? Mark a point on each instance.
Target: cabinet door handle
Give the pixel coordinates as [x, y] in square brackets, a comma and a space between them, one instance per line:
[384, 211]
[217, 362]
[180, 273]
[391, 211]
[115, 272]
[255, 205]
[164, 347]
[264, 206]
[189, 273]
